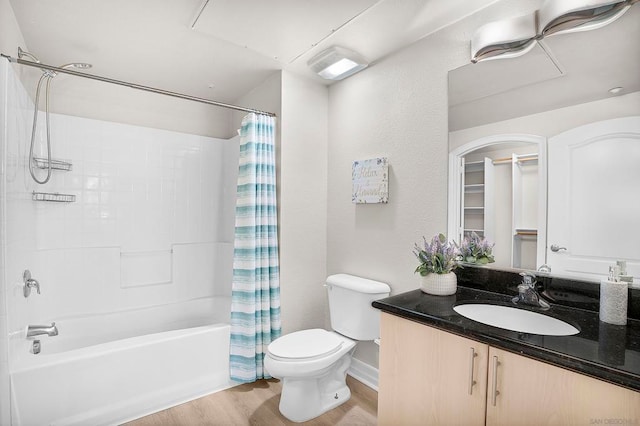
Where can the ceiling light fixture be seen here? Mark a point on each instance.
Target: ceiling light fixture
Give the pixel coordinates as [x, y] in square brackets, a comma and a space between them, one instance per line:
[337, 63]
[567, 16]
[514, 37]
[508, 38]
[616, 90]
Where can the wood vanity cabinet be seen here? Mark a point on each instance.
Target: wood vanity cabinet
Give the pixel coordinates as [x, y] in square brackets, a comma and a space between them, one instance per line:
[426, 377]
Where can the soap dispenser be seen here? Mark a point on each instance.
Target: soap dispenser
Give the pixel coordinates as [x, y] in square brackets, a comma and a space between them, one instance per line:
[613, 298]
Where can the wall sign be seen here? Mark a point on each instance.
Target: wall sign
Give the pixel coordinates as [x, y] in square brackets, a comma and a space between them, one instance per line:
[370, 181]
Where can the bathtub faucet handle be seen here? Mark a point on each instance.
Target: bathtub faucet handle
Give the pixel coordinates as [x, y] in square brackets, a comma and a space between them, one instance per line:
[29, 283]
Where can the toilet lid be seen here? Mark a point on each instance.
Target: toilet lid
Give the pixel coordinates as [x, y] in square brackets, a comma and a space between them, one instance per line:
[306, 344]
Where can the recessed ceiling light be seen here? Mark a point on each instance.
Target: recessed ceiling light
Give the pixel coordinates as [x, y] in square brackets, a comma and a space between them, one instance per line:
[616, 90]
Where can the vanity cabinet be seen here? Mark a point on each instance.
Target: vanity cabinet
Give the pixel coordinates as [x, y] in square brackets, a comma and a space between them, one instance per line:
[427, 377]
[533, 392]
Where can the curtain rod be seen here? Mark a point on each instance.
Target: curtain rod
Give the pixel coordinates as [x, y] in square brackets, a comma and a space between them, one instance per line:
[133, 85]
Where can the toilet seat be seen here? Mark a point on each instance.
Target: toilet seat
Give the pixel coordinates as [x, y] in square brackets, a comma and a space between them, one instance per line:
[305, 345]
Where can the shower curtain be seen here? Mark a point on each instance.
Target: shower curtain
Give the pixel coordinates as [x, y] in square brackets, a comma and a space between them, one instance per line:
[255, 301]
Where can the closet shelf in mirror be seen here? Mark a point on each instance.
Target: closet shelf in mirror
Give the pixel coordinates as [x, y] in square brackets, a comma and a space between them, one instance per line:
[474, 166]
[478, 210]
[477, 231]
[474, 187]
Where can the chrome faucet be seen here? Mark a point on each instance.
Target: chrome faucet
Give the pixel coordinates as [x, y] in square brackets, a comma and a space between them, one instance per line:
[527, 294]
[36, 330]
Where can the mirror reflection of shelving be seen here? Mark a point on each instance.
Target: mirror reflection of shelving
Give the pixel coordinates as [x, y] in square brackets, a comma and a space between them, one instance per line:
[499, 201]
[477, 206]
[524, 172]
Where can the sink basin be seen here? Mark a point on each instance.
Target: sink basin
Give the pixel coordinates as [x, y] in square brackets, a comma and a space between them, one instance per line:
[515, 319]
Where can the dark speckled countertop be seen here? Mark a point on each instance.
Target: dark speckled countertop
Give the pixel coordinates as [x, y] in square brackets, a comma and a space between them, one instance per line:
[607, 352]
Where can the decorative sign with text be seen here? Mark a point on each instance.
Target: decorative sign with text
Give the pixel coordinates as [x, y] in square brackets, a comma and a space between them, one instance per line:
[370, 181]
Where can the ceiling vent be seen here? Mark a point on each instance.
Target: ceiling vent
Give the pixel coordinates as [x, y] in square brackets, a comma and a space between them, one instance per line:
[337, 63]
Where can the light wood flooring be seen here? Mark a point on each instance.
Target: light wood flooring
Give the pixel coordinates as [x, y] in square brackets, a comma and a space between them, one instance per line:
[257, 404]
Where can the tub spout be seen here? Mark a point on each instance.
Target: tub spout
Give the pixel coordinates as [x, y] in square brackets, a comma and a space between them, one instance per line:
[36, 330]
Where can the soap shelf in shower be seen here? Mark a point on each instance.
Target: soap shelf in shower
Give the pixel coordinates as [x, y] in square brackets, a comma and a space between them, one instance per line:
[42, 163]
[54, 197]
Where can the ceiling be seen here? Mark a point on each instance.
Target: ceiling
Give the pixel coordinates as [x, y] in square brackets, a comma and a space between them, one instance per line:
[221, 49]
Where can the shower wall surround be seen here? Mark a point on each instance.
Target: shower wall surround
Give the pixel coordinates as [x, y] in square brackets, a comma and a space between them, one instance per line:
[152, 224]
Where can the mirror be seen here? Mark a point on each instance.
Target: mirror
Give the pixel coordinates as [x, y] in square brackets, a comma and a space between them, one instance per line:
[524, 107]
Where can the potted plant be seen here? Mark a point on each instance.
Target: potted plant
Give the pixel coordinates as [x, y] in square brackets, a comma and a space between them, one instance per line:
[476, 249]
[437, 262]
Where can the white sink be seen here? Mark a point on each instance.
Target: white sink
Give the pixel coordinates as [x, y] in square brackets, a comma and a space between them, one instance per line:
[515, 319]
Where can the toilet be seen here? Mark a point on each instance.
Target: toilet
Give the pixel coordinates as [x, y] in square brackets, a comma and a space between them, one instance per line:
[313, 364]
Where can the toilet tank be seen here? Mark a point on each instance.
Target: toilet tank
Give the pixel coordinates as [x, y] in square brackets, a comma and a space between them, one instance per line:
[350, 307]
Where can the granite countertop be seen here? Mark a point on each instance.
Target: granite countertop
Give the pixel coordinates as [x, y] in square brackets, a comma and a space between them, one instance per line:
[607, 352]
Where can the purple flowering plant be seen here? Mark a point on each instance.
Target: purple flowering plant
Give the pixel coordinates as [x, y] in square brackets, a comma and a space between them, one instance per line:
[476, 249]
[438, 256]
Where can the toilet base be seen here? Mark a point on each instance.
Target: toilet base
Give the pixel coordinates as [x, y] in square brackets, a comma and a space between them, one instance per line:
[303, 399]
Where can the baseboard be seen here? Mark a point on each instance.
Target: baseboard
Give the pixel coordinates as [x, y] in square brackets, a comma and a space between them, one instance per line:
[364, 373]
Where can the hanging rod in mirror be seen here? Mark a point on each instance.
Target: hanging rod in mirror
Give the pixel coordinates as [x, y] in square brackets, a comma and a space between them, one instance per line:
[509, 160]
[133, 85]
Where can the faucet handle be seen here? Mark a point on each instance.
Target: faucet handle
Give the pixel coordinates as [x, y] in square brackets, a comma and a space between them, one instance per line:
[528, 278]
[29, 283]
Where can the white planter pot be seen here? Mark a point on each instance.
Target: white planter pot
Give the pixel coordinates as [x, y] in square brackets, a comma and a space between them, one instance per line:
[439, 284]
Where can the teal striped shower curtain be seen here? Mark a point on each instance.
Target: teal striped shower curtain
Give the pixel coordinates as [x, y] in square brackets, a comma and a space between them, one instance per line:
[255, 301]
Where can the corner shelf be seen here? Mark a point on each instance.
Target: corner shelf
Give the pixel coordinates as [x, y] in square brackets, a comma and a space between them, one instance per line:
[43, 163]
[55, 197]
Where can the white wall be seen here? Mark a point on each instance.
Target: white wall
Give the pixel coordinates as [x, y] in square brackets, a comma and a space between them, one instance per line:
[396, 108]
[303, 203]
[109, 102]
[301, 106]
[551, 123]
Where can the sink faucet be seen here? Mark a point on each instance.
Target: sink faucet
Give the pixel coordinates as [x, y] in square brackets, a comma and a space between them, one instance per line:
[36, 330]
[527, 294]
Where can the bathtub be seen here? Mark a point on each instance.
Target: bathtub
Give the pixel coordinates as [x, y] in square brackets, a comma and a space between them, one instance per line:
[110, 368]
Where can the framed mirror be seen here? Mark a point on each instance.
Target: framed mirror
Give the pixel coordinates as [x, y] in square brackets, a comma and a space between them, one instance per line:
[573, 97]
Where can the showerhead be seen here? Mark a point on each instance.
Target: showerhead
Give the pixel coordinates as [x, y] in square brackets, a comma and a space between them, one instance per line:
[77, 65]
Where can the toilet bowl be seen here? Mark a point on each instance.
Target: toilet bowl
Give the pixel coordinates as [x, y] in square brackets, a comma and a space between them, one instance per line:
[313, 364]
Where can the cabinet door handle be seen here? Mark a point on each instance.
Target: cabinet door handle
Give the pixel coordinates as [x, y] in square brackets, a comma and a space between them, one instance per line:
[472, 355]
[494, 381]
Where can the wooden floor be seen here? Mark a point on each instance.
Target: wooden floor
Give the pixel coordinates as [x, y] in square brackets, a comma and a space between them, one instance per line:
[257, 404]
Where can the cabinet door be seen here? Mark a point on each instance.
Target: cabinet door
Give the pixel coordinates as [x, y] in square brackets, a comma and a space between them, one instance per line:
[426, 376]
[531, 392]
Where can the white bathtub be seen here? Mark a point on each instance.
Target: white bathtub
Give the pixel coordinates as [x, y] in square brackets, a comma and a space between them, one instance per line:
[106, 369]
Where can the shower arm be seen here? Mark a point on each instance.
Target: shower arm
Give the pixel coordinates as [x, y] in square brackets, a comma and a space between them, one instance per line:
[133, 85]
